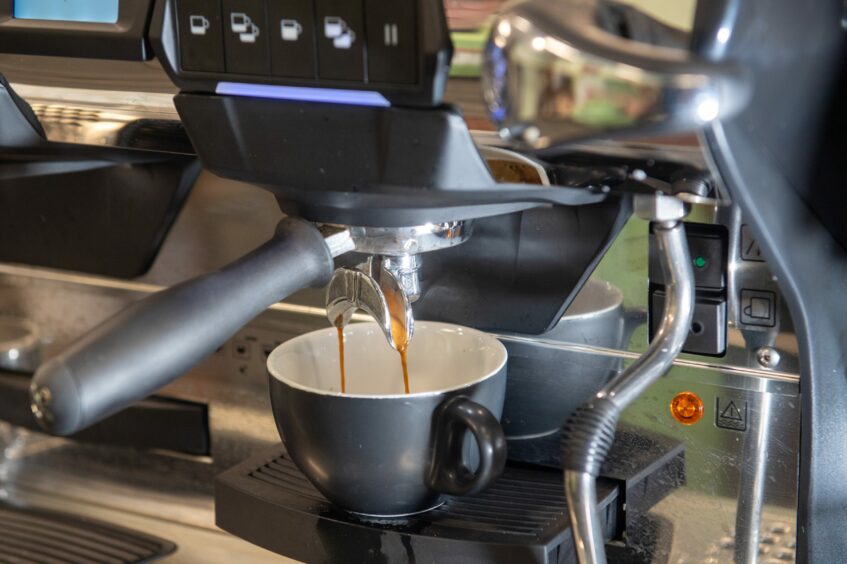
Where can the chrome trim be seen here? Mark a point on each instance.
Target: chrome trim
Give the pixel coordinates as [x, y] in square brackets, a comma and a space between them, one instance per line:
[104, 118]
[552, 76]
[581, 490]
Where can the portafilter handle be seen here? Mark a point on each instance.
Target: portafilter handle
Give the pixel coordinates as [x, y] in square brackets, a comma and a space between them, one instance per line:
[156, 340]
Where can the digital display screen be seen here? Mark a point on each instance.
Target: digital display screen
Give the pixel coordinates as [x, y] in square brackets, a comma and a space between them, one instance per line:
[90, 11]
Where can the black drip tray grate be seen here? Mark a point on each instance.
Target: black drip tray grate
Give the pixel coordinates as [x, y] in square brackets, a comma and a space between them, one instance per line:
[522, 518]
[44, 537]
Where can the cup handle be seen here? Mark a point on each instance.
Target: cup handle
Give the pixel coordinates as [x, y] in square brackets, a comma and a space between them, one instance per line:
[448, 473]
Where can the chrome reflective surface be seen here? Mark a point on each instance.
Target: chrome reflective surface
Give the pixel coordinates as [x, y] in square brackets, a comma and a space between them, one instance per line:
[377, 292]
[581, 492]
[143, 121]
[674, 327]
[552, 76]
[20, 344]
[398, 241]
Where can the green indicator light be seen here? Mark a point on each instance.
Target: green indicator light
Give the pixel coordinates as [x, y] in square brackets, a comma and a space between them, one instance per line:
[699, 262]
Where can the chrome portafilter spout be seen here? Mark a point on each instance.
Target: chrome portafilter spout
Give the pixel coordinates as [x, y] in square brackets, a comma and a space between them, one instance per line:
[386, 285]
[590, 431]
[375, 290]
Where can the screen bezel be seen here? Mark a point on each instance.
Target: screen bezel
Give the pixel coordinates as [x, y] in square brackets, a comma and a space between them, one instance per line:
[123, 40]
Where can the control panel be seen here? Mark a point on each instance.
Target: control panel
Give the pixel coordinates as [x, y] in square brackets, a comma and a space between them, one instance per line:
[708, 246]
[327, 50]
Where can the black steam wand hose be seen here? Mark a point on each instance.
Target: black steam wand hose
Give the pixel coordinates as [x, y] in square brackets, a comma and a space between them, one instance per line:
[590, 431]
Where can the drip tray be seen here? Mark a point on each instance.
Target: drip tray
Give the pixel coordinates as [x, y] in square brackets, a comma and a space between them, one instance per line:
[521, 518]
[36, 536]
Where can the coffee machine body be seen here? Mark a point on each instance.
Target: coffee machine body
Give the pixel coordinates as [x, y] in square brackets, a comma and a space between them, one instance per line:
[564, 277]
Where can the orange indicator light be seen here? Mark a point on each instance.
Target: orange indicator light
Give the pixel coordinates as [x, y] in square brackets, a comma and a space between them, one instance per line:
[687, 408]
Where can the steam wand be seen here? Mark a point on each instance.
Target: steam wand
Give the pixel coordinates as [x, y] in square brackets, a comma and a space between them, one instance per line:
[590, 431]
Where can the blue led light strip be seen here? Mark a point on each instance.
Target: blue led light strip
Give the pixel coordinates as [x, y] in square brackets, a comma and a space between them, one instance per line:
[301, 94]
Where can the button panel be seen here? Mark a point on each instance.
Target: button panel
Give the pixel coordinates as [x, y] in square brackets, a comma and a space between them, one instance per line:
[354, 41]
[708, 247]
[201, 35]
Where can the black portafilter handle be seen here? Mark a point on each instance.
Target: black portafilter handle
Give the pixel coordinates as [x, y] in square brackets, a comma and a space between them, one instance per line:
[158, 339]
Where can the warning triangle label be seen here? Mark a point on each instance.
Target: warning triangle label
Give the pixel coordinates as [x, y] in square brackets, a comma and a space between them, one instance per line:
[732, 412]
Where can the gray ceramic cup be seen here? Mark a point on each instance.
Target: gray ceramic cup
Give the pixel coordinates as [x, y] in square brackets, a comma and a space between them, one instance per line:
[375, 450]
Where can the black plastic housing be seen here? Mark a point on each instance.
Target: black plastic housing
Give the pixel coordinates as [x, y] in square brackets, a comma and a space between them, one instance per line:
[782, 160]
[98, 211]
[523, 517]
[351, 165]
[155, 423]
[124, 40]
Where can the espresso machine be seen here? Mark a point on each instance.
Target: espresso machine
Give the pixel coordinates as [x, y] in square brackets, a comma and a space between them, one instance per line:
[657, 295]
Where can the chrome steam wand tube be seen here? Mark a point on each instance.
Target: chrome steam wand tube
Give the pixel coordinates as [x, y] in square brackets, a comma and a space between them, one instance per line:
[590, 431]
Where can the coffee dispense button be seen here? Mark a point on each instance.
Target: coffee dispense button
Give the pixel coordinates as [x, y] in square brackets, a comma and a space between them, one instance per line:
[246, 37]
[341, 40]
[292, 29]
[200, 35]
[392, 41]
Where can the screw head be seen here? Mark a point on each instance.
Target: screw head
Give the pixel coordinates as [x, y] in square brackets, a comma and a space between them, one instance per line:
[767, 357]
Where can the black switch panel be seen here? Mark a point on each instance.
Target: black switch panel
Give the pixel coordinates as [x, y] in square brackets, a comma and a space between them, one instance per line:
[291, 25]
[398, 49]
[392, 41]
[707, 335]
[341, 40]
[200, 35]
[707, 245]
[246, 37]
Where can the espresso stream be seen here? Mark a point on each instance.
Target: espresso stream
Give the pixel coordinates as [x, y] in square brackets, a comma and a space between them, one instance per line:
[341, 356]
[399, 331]
[399, 335]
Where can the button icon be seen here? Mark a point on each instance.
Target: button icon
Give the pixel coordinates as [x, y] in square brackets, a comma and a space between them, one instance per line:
[290, 30]
[758, 308]
[199, 25]
[391, 35]
[241, 24]
[749, 246]
[337, 29]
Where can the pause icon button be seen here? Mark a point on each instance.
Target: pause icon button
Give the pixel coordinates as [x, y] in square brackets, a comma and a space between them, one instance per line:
[391, 35]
